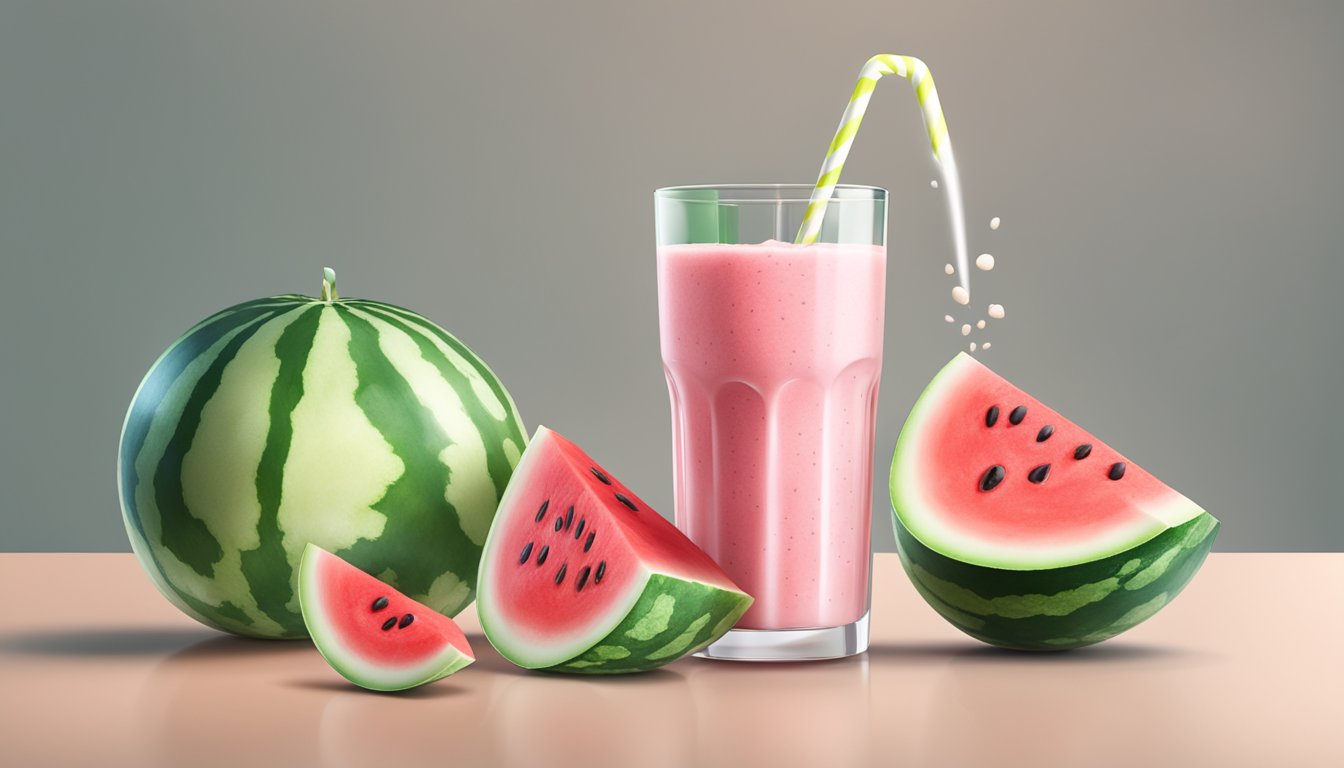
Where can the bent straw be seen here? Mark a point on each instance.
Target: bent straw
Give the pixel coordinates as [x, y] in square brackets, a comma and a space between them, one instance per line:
[917, 72]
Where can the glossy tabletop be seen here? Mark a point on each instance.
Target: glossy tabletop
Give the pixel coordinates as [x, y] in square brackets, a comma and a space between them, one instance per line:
[1243, 669]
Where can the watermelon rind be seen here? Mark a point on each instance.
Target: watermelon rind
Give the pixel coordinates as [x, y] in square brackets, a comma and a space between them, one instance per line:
[665, 619]
[353, 424]
[352, 666]
[1058, 608]
[924, 523]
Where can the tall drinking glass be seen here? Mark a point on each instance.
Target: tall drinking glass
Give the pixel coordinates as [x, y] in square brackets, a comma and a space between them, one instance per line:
[773, 353]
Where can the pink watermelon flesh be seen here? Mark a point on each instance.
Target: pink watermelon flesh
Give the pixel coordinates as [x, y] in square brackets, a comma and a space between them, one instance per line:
[624, 537]
[601, 543]
[1076, 514]
[360, 625]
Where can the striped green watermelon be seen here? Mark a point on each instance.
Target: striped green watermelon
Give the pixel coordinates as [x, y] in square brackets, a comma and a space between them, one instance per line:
[1025, 531]
[580, 575]
[355, 425]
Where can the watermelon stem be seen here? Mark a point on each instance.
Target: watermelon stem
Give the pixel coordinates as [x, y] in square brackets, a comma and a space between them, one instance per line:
[329, 285]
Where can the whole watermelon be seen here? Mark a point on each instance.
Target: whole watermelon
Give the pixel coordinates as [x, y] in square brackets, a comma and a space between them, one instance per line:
[356, 425]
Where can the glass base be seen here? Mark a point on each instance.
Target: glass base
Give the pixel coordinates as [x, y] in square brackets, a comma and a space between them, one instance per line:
[790, 644]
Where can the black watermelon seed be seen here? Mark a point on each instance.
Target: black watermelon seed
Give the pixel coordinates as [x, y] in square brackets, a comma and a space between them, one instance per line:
[379, 604]
[390, 623]
[406, 621]
[559, 523]
[601, 571]
[598, 474]
[1045, 433]
[527, 552]
[992, 416]
[1017, 415]
[992, 477]
[560, 574]
[1082, 451]
[1117, 470]
[569, 517]
[1039, 474]
[621, 498]
[541, 556]
[583, 579]
[542, 512]
[587, 545]
[578, 532]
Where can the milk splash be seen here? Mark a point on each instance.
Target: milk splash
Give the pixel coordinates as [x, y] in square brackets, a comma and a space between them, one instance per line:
[985, 262]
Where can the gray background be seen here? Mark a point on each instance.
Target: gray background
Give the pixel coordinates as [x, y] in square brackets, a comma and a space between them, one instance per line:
[1170, 179]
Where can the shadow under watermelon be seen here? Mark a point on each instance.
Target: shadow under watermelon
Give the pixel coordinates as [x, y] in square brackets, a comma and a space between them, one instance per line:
[104, 643]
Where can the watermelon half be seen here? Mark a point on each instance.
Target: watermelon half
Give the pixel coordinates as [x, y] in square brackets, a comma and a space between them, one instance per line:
[580, 575]
[1024, 530]
[372, 634]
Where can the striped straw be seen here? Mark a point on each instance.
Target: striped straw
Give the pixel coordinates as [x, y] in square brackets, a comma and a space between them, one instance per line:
[917, 72]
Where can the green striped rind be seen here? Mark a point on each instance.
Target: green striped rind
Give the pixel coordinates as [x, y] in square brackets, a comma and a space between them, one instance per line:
[670, 619]
[355, 425]
[1058, 608]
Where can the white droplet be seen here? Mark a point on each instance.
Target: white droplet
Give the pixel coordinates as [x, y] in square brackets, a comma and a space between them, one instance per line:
[980, 324]
[962, 297]
[948, 318]
[966, 330]
[996, 311]
[987, 345]
[934, 183]
[993, 224]
[948, 269]
[984, 261]
[972, 346]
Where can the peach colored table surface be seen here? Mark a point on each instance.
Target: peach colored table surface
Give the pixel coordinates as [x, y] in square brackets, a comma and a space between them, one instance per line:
[1243, 669]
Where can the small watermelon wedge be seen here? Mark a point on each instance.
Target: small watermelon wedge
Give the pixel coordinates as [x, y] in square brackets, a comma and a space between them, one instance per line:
[580, 575]
[1025, 531]
[376, 637]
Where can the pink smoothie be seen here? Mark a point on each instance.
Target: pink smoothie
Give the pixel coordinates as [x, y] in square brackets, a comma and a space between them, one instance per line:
[773, 354]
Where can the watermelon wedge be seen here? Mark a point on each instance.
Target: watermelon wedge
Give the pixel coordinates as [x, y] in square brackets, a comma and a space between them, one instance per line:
[1025, 531]
[580, 575]
[372, 634]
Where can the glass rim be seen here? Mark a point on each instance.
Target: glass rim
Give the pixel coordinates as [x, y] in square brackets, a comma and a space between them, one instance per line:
[745, 194]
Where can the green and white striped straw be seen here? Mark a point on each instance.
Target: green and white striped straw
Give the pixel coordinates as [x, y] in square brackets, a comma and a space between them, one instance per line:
[917, 72]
